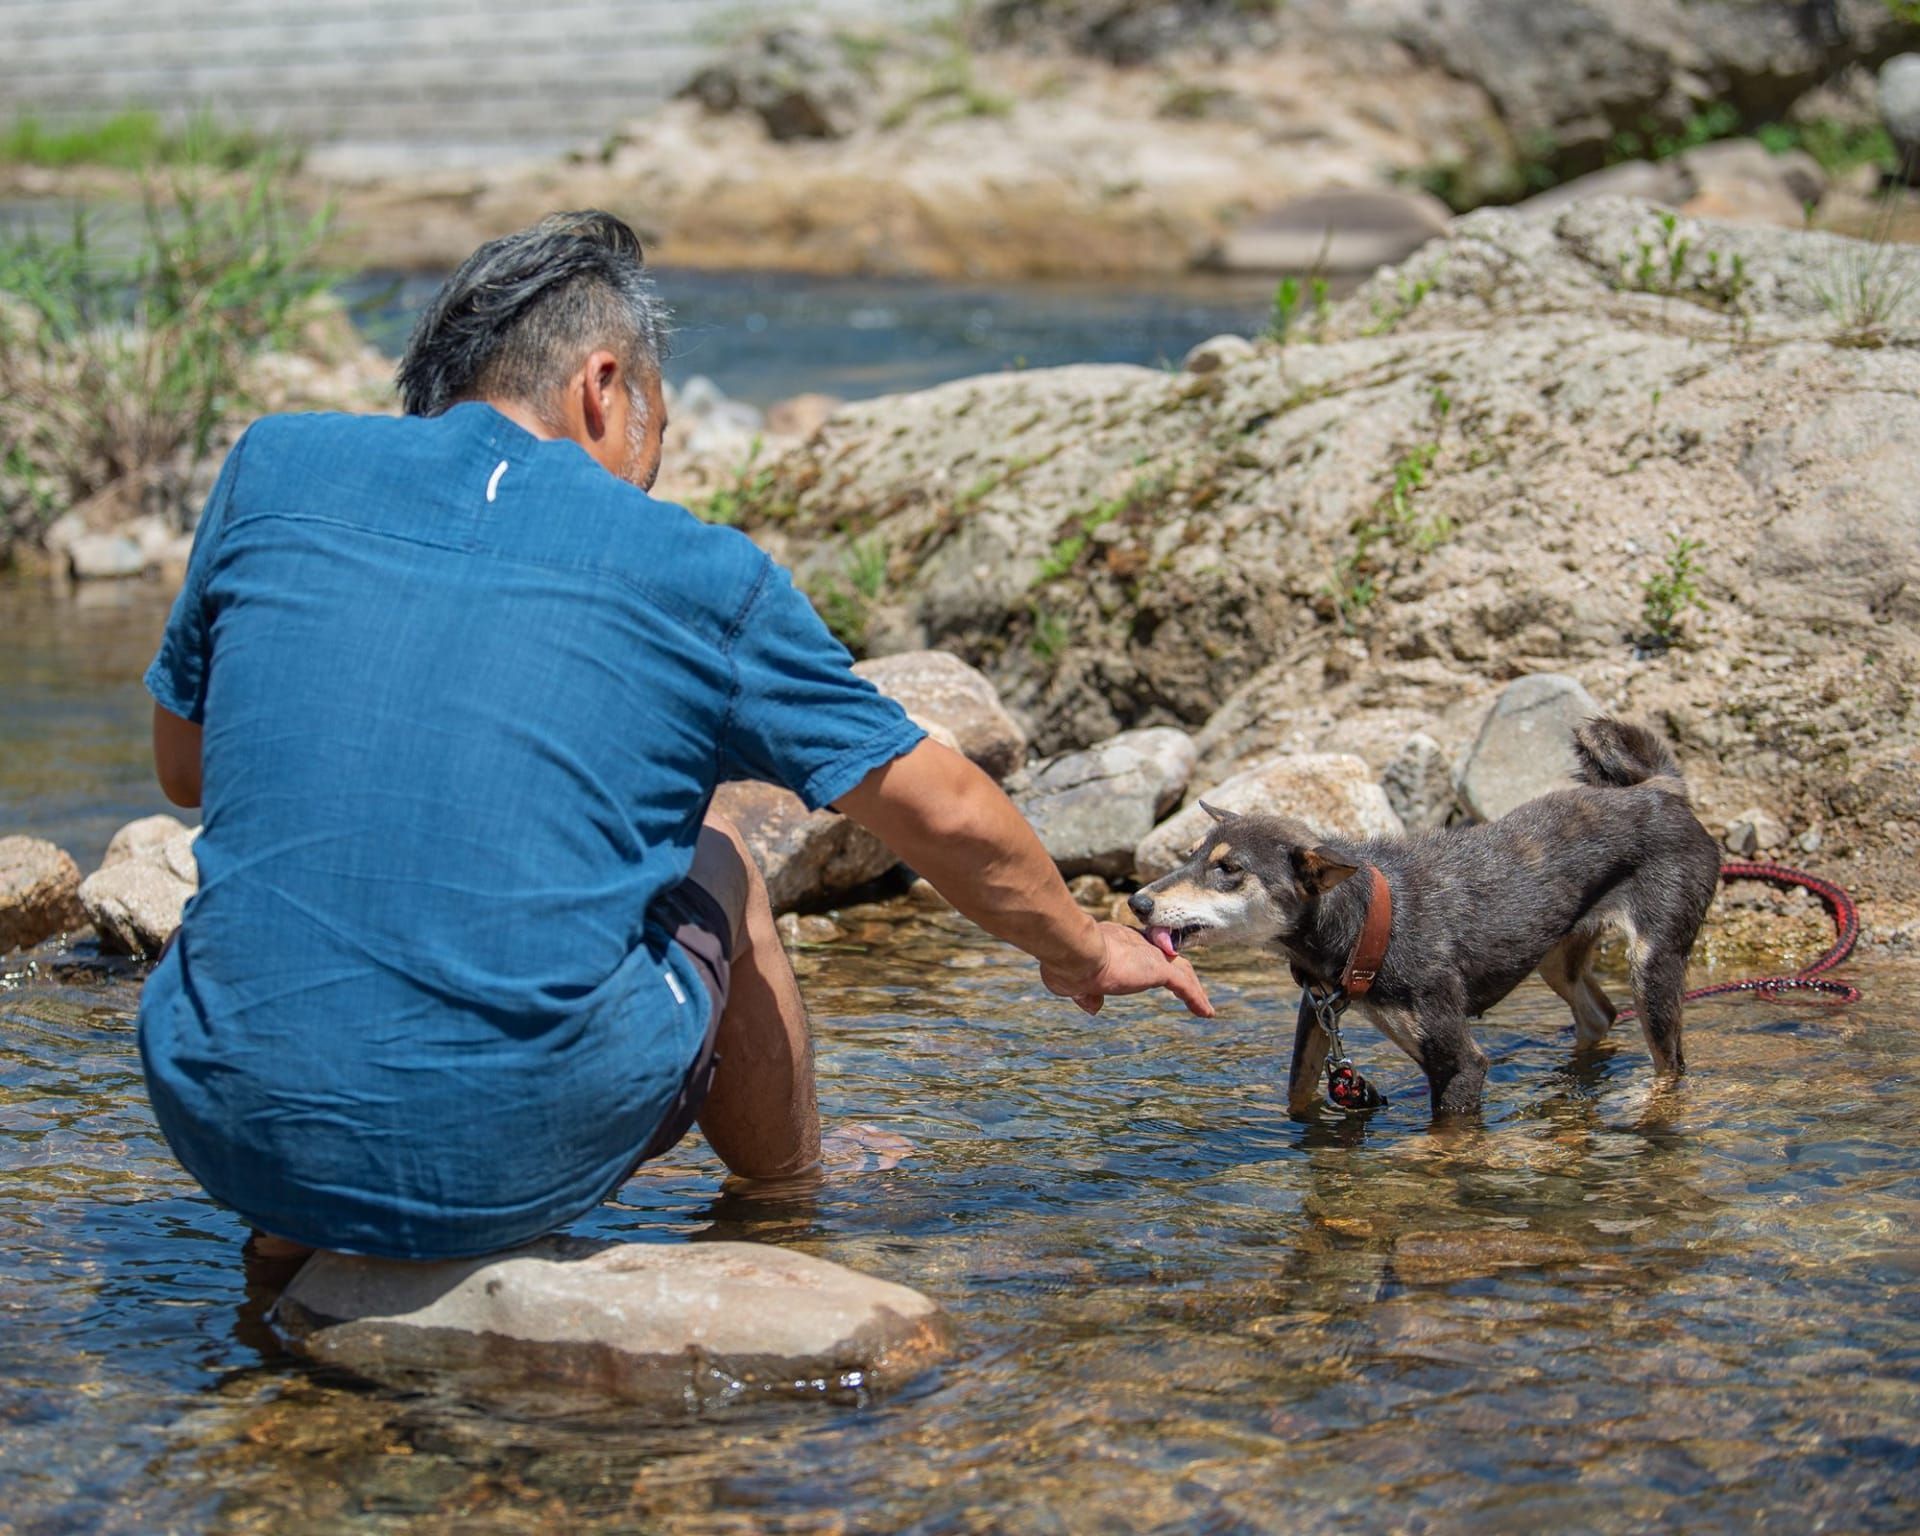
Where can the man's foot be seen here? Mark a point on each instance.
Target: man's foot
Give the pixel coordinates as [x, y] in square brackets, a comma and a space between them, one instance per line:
[272, 1261]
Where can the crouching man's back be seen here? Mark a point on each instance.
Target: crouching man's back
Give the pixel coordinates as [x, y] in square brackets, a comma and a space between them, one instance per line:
[459, 736]
[454, 692]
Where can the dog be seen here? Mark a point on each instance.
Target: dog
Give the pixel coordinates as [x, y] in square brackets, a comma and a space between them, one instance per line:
[1473, 911]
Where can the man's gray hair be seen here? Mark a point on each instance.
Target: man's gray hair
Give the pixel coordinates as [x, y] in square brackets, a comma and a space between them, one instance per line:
[522, 313]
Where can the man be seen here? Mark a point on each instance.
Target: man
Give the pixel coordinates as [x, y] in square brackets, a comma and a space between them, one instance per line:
[455, 692]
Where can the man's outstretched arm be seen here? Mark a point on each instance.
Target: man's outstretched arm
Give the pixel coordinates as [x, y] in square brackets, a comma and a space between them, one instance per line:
[954, 825]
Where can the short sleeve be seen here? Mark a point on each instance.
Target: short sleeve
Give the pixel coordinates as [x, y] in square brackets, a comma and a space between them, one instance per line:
[801, 716]
[178, 677]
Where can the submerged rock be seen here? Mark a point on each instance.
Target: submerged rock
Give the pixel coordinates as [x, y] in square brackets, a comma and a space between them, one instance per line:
[39, 892]
[671, 1327]
[136, 898]
[1092, 808]
[1525, 747]
[1440, 1258]
[1334, 794]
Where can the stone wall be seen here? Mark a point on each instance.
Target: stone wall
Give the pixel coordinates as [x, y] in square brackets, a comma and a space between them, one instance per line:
[423, 74]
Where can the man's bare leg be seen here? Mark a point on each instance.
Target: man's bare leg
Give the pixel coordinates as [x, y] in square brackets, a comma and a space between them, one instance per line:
[762, 1116]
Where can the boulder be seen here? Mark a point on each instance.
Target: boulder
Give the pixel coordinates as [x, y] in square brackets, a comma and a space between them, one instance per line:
[1755, 831]
[146, 838]
[1740, 181]
[804, 856]
[801, 415]
[39, 892]
[1335, 231]
[1218, 352]
[1419, 783]
[1334, 794]
[1900, 103]
[1092, 808]
[938, 687]
[1654, 181]
[136, 900]
[679, 1328]
[1525, 746]
[797, 80]
[106, 557]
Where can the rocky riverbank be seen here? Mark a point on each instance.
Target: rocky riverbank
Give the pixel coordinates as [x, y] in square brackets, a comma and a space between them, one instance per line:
[1670, 458]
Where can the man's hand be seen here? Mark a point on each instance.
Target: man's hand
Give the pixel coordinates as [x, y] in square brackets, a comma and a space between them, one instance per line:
[954, 825]
[1129, 964]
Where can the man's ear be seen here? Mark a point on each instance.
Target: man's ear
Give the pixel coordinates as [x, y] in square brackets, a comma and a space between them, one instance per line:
[1215, 812]
[1319, 870]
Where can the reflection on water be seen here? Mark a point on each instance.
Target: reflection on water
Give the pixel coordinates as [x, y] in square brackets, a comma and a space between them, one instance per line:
[75, 763]
[1601, 1309]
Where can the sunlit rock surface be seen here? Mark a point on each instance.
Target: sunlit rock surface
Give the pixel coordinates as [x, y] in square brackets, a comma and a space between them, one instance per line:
[1525, 747]
[39, 892]
[680, 1326]
[1335, 796]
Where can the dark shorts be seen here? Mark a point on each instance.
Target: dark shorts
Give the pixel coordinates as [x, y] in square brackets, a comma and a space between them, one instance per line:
[700, 928]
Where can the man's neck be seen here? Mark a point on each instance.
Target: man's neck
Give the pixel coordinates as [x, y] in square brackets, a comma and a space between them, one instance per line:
[524, 418]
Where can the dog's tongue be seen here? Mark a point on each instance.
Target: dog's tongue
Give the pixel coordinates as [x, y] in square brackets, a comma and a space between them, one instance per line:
[1162, 940]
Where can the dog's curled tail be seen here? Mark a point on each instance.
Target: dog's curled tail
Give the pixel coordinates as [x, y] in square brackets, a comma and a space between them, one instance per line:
[1612, 754]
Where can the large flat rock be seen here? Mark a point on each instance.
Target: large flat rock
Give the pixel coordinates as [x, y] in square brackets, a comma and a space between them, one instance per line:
[672, 1327]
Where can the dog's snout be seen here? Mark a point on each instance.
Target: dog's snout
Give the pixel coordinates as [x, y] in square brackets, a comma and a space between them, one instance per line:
[1142, 905]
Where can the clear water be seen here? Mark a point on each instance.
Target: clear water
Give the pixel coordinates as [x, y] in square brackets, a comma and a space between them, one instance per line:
[1603, 1309]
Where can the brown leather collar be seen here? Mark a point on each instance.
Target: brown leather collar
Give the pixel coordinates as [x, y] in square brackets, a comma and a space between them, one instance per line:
[1371, 947]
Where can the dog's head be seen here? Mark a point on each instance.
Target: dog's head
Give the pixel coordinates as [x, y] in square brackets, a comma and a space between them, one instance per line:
[1250, 881]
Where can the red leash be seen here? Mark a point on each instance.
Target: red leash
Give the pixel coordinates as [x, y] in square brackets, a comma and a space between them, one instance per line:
[1846, 927]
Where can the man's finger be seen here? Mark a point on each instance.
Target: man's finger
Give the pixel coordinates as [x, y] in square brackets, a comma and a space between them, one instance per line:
[1185, 985]
[1090, 1003]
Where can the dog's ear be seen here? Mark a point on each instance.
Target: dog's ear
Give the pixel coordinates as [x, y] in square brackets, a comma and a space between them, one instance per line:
[1319, 870]
[1215, 812]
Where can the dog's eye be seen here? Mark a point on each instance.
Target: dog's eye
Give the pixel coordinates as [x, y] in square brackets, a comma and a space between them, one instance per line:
[1227, 867]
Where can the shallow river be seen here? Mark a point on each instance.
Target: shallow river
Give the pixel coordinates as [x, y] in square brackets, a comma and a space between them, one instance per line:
[1599, 1310]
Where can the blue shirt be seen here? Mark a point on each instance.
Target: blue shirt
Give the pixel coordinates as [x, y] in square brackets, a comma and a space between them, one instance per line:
[466, 696]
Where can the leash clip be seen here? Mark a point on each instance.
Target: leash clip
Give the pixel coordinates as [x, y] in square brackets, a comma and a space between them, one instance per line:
[1346, 1088]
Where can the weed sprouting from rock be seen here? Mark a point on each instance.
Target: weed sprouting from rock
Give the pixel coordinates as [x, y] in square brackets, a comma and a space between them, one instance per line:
[1295, 299]
[1671, 591]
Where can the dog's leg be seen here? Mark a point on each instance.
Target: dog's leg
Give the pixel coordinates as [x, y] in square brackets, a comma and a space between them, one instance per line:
[1310, 1047]
[1659, 975]
[1455, 1065]
[1565, 969]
